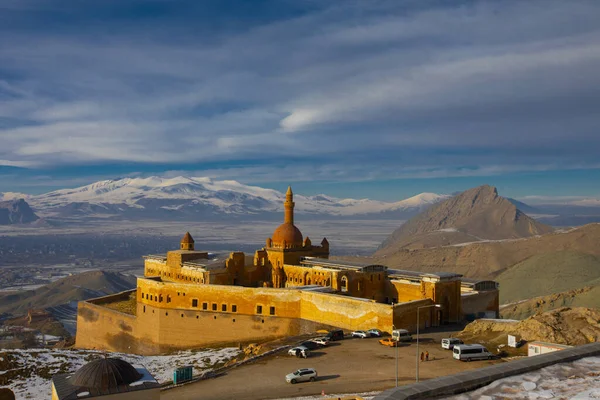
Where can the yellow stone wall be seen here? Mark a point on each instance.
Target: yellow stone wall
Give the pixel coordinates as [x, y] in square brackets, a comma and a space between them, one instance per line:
[476, 304]
[405, 315]
[345, 312]
[168, 318]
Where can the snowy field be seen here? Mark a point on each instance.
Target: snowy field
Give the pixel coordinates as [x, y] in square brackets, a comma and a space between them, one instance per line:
[32, 369]
[576, 380]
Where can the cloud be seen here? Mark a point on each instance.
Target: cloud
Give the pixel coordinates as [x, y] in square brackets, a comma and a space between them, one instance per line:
[417, 89]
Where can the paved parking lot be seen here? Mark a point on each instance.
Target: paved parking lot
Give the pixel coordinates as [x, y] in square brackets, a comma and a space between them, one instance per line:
[347, 366]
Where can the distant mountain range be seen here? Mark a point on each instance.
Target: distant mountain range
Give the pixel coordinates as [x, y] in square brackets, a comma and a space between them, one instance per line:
[205, 199]
[193, 198]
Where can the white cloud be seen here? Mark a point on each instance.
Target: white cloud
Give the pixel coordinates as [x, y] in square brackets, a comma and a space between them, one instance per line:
[372, 81]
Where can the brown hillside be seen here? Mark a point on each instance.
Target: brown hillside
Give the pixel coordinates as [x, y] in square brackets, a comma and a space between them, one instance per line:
[72, 288]
[488, 259]
[474, 215]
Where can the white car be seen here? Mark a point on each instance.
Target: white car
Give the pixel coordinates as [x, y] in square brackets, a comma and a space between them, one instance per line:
[302, 375]
[297, 351]
[321, 341]
[360, 334]
[374, 332]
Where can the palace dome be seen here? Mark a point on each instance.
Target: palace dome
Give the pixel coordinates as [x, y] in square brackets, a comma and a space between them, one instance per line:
[289, 233]
[105, 373]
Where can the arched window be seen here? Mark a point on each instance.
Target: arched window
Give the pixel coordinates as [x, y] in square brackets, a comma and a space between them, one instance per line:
[344, 284]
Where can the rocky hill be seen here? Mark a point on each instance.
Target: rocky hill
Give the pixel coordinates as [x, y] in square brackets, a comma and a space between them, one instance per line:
[488, 259]
[16, 211]
[72, 288]
[477, 214]
[570, 326]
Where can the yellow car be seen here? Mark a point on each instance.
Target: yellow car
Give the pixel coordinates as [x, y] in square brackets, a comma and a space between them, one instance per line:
[389, 342]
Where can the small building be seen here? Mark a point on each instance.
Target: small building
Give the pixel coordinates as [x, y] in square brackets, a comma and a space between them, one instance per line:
[109, 378]
[480, 299]
[537, 348]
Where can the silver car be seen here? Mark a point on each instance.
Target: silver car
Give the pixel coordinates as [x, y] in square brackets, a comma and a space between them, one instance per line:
[302, 375]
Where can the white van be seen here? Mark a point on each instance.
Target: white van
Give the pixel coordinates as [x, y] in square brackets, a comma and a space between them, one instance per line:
[449, 343]
[468, 352]
[401, 335]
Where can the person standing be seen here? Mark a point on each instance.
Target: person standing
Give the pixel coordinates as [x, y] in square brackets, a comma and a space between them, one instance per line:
[422, 356]
[426, 356]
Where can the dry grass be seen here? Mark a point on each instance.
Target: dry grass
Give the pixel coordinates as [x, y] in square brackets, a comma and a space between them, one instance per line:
[127, 306]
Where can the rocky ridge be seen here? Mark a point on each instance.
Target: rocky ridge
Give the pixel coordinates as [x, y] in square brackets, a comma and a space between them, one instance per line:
[477, 214]
[569, 326]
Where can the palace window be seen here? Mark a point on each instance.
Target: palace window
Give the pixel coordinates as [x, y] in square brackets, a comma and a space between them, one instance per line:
[272, 310]
[205, 306]
[223, 307]
[214, 306]
[168, 298]
[259, 309]
[234, 308]
[344, 284]
[194, 302]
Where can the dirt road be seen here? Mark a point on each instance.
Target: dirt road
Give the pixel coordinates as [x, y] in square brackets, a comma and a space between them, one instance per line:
[347, 366]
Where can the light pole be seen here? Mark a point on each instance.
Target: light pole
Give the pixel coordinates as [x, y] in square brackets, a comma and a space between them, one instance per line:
[393, 329]
[418, 308]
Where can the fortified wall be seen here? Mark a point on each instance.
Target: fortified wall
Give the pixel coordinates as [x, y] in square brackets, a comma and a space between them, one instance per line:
[198, 316]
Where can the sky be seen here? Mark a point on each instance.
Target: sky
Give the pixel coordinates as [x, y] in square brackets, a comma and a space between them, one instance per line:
[378, 99]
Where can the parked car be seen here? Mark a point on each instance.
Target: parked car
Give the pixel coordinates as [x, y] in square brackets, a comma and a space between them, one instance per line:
[360, 334]
[389, 342]
[449, 343]
[302, 375]
[336, 334]
[401, 335]
[321, 341]
[375, 332]
[298, 351]
[468, 352]
[309, 344]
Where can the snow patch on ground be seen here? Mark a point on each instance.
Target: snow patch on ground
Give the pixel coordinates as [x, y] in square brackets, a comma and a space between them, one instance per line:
[36, 366]
[575, 380]
[366, 396]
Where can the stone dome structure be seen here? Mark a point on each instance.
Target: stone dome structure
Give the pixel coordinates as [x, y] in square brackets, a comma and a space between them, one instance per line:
[105, 374]
[289, 233]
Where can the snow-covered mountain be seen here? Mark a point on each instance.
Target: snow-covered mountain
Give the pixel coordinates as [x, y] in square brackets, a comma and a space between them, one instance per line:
[205, 198]
[7, 196]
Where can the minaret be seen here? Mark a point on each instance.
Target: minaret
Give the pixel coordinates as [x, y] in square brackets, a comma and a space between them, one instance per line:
[289, 207]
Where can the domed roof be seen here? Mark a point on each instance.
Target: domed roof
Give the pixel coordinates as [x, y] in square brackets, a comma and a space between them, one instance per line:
[104, 374]
[289, 233]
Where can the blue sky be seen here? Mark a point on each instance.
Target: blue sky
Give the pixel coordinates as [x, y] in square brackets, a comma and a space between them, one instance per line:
[379, 99]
